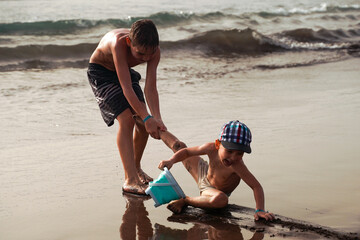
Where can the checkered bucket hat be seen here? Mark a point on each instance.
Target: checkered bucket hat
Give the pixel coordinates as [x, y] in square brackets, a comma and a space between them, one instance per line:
[235, 135]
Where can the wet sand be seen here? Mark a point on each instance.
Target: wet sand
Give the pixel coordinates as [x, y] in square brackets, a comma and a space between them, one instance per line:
[232, 222]
[305, 154]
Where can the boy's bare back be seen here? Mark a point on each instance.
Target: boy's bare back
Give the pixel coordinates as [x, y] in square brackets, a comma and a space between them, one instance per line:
[103, 53]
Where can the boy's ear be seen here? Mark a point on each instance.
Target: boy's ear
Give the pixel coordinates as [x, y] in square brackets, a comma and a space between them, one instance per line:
[128, 41]
[217, 144]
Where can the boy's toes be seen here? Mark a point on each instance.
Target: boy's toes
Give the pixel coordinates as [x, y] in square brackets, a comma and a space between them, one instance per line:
[144, 177]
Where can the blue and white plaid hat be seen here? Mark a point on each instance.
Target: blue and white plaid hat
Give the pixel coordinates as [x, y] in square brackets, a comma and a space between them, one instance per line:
[235, 135]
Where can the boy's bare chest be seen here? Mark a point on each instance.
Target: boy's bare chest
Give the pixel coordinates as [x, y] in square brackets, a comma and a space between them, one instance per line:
[222, 177]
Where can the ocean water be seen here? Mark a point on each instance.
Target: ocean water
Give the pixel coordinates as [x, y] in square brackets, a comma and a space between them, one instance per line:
[228, 37]
[62, 34]
[57, 154]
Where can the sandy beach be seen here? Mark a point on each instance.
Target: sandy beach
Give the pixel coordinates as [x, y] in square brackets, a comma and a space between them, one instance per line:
[62, 176]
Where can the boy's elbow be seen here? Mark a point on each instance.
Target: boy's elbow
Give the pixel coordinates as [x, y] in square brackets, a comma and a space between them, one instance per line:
[258, 189]
[255, 185]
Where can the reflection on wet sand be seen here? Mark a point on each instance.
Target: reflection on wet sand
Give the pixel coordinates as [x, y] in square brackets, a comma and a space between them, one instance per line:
[203, 231]
[135, 216]
[137, 225]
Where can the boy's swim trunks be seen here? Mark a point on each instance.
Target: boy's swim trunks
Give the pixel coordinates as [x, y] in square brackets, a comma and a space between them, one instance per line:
[108, 93]
[203, 181]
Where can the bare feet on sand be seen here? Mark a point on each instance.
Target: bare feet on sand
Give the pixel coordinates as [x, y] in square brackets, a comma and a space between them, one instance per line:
[138, 189]
[144, 177]
[176, 206]
[132, 198]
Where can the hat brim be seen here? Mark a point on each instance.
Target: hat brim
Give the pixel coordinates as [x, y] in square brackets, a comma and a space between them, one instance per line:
[236, 146]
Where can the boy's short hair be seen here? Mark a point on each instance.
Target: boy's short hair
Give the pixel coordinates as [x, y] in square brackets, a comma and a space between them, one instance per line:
[144, 33]
[235, 135]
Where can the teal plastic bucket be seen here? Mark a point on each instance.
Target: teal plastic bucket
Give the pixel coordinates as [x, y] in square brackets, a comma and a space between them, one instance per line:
[164, 189]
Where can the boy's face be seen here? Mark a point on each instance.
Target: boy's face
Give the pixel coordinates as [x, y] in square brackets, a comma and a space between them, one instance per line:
[142, 53]
[228, 157]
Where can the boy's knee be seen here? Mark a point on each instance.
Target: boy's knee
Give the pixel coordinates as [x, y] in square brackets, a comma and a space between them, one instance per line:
[125, 119]
[178, 145]
[220, 200]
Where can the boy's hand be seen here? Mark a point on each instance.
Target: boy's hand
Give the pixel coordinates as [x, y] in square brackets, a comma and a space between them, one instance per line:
[153, 124]
[268, 216]
[162, 125]
[165, 163]
[152, 127]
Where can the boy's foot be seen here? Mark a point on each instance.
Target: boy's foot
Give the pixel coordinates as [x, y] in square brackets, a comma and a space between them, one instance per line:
[144, 177]
[135, 189]
[130, 197]
[176, 206]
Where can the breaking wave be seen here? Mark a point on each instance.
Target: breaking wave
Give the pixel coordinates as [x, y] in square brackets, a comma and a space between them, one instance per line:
[323, 8]
[42, 52]
[162, 19]
[224, 43]
[251, 42]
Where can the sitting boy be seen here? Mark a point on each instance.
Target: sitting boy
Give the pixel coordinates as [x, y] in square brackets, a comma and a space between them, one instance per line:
[218, 179]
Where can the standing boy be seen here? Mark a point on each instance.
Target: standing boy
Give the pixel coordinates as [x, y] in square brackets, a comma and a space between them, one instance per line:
[218, 179]
[119, 95]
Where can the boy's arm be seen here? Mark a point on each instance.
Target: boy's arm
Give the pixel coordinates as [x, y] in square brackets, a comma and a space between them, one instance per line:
[185, 153]
[119, 52]
[244, 173]
[150, 89]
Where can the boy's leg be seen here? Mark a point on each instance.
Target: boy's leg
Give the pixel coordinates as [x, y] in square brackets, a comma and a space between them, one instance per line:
[171, 141]
[168, 138]
[126, 149]
[191, 163]
[140, 140]
[210, 199]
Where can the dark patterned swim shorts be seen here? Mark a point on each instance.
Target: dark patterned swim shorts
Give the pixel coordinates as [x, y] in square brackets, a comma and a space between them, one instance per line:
[108, 93]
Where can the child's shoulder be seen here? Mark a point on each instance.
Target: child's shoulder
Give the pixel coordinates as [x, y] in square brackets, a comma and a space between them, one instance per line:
[208, 147]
